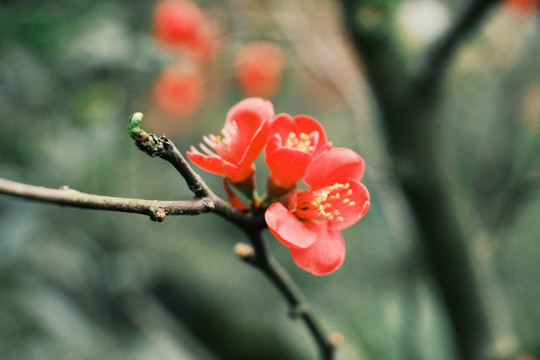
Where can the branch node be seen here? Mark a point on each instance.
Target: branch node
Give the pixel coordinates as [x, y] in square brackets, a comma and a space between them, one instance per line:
[209, 204]
[151, 144]
[336, 339]
[158, 215]
[243, 250]
[298, 310]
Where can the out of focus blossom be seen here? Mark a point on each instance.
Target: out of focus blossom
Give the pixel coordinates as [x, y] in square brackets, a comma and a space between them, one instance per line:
[524, 7]
[259, 69]
[179, 90]
[182, 24]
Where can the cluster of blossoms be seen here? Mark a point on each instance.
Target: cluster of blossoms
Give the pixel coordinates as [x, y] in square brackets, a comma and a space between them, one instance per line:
[188, 35]
[308, 222]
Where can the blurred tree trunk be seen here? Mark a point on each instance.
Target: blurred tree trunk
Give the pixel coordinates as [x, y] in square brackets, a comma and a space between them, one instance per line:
[408, 105]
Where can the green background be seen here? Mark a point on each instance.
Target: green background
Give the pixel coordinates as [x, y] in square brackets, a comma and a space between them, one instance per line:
[85, 284]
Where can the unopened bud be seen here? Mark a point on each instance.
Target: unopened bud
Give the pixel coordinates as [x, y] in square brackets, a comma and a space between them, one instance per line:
[134, 123]
[243, 250]
[336, 339]
[159, 215]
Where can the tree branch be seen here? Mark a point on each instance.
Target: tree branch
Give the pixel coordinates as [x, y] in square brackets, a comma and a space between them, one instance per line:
[162, 147]
[262, 259]
[157, 210]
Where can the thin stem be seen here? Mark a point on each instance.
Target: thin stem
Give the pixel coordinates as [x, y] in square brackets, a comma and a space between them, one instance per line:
[164, 148]
[156, 209]
[299, 307]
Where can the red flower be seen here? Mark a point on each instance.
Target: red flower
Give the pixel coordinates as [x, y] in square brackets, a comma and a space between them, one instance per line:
[244, 136]
[179, 90]
[258, 68]
[181, 23]
[524, 7]
[310, 224]
[292, 144]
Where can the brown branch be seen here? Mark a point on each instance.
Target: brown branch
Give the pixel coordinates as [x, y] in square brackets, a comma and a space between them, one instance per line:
[156, 209]
[262, 259]
[164, 148]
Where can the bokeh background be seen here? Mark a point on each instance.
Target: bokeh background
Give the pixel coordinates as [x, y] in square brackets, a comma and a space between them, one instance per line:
[85, 284]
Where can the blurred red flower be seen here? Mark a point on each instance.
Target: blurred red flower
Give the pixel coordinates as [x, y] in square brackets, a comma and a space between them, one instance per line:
[258, 68]
[291, 145]
[182, 24]
[179, 90]
[523, 6]
[310, 222]
[244, 136]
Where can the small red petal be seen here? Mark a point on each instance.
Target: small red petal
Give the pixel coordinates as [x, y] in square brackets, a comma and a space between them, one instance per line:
[236, 174]
[333, 166]
[247, 126]
[233, 199]
[308, 125]
[211, 164]
[325, 255]
[287, 228]
[287, 166]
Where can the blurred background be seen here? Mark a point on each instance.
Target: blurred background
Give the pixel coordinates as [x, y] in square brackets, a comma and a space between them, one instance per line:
[85, 284]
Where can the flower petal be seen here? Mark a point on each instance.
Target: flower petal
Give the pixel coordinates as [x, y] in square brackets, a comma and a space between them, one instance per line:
[287, 166]
[333, 166]
[283, 124]
[354, 208]
[211, 164]
[308, 125]
[247, 127]
[325, 255]
[287, 228]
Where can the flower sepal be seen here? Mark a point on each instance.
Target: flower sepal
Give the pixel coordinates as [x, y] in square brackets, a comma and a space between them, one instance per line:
[246, 186]
[275, 191]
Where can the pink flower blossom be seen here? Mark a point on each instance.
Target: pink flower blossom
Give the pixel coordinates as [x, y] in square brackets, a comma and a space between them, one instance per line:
[291, 145]
[310, 221]
[243, 138]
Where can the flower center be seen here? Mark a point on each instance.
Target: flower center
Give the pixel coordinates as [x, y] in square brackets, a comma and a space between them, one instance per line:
[215, 141]
[323, 204]
[218, 144]
[301, 141]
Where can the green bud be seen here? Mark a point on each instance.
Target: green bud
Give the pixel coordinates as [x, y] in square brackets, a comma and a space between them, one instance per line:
[134, 122]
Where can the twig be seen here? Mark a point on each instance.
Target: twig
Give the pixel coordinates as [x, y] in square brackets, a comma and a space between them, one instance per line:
[164, 148]
[157, 210]
[262, 259]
